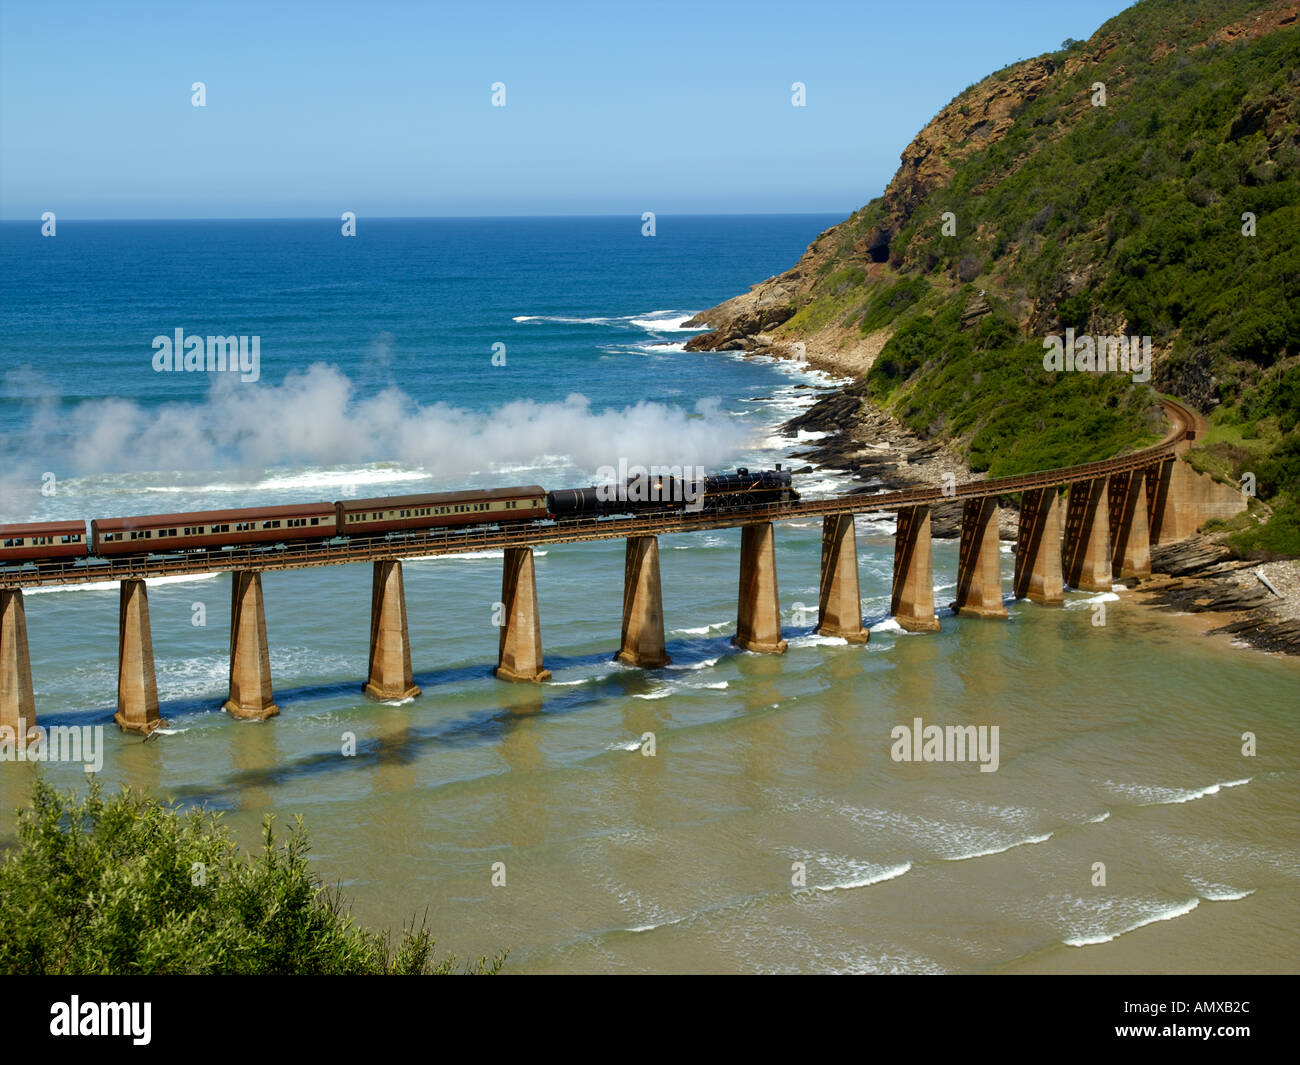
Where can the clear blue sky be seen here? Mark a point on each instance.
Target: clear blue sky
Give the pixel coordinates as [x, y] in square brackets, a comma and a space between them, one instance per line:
[385, 108]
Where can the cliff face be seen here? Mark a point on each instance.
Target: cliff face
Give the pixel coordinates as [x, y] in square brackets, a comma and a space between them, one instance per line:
[1164, 206]
[976, 119]
[954, 163]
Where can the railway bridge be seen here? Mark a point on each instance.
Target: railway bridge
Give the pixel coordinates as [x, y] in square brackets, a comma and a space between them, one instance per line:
[1101, 528]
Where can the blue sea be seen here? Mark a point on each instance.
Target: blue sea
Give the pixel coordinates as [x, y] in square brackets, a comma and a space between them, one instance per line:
[449, 351]
[376, 374]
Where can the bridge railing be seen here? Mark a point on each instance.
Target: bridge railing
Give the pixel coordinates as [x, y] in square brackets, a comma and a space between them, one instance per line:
[578, 530]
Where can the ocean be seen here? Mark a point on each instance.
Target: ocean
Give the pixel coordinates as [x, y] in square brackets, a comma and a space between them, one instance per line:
[771, 830]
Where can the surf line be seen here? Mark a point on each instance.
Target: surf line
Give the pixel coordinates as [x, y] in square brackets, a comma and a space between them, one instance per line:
[946, 743]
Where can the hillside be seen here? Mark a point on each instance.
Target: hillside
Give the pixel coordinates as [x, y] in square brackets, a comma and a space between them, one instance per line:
[1032, 204]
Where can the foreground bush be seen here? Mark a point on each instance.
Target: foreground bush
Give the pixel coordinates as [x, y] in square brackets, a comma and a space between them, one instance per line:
[131, 885]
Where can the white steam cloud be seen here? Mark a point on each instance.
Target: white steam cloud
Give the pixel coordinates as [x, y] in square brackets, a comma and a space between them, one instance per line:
[317, 417]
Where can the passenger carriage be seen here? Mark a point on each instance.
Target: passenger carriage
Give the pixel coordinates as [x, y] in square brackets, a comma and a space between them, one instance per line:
[415, 513]
[38, 541]
[207, 530]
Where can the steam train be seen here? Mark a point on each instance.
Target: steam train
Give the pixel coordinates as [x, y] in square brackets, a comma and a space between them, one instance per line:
[297, 526]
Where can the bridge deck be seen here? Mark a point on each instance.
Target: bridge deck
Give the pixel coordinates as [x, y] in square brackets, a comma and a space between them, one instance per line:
[579, 530]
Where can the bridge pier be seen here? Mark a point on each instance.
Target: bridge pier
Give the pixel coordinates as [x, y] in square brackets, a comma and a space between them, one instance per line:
[519, 656]
[758, 612]
[839, 600]
[390, 639]
[912, 598]
[642, 642]
[1130, 539]
[1085, 555]
[250, 655]
[137, 684]
[17, 699]
[979, 566]
[1038, 548]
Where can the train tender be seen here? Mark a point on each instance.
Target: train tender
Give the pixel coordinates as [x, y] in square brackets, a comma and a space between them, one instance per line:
[37, 541]
[207, 530]
[418, 513]
[725, 491]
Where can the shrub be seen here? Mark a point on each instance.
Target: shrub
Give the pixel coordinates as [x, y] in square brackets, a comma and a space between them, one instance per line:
[129, 885]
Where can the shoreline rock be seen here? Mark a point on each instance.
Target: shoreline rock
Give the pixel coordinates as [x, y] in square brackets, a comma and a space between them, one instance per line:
[1197, 575]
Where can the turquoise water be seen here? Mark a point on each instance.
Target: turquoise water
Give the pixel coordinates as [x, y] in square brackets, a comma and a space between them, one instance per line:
[1119, 743]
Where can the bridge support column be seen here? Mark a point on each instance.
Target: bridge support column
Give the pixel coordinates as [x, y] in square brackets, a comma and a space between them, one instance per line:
[17, 700]
[643, 609]
[758, 614]
[1086, 552]
[979, 568]
[839, 602]
[390, 639]
[250, 655]
[912, 599]
[1038, 548]
[137, 684]
[1130, 541]
[520, 649]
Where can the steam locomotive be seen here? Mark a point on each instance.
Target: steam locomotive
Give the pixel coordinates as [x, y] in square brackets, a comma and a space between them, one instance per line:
[297, 526]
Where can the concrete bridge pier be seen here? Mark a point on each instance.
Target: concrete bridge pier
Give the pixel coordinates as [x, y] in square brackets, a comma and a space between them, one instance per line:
[137, 684]
[520, 649]
[1130, 537]
[1085, 555]
[642, 641]
[17, 700]
[250, 655]
[912, 599]
[979, 566]
[390, 639]
[839, 600]
[1038, 548]
[758, 613]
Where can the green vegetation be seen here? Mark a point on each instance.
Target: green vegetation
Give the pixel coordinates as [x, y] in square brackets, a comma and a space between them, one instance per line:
[986, 385]
[1129, 217]
[129, 885]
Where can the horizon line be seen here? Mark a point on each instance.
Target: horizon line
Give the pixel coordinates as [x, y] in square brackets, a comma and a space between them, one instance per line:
[24, 220]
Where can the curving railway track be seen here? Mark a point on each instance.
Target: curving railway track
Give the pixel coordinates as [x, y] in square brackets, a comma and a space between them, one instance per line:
[1186, 425]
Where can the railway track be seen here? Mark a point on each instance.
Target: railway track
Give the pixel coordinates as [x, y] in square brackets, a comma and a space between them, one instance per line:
[1186, 425]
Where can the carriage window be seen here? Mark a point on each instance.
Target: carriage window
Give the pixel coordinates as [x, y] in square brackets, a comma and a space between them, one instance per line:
[315, 521]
